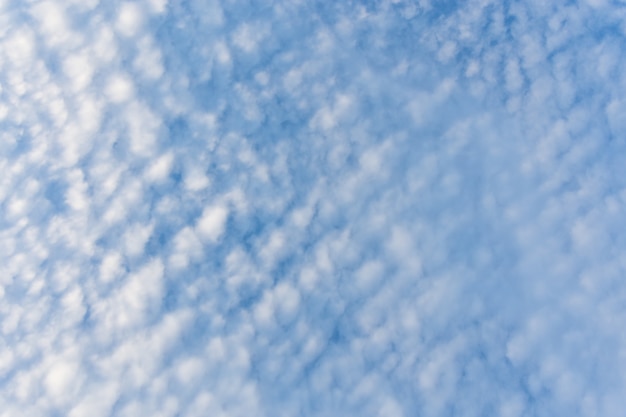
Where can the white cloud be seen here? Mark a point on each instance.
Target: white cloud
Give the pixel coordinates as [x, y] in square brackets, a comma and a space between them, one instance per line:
[79, 70]
[226, 208]
[160, 169]
[111, 267]
[248, 36]
[212, 223]
[143, 126]
[133, 303]
[287, 299]
[20, 47]
[129, 19]
[119, 88]
[158, 6]
[149, 61]
[127, 198]
[613, 110]
[136, 237]
[63, 381]
[195, 179]
[187, 246]
[105, 45]
[53, 23]
[76, 196]
[97, 403]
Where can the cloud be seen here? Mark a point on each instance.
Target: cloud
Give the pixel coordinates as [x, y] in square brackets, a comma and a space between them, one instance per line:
[390, 208]
[212, 223]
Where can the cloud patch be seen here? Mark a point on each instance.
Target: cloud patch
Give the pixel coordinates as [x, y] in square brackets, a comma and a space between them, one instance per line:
[386, 208]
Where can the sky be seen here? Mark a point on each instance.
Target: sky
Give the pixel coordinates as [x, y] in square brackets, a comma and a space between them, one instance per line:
[312, 208]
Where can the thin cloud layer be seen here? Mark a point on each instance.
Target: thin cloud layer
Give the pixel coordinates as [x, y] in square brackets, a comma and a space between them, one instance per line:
[389, 208]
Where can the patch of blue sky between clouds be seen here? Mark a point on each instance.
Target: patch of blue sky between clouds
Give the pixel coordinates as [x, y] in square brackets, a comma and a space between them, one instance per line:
[291, 208]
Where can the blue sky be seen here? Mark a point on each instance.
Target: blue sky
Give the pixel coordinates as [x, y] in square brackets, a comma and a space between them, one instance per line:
[312, 208]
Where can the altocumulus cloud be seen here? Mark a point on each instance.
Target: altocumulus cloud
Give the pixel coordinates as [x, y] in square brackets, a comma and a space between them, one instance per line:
[312, 208]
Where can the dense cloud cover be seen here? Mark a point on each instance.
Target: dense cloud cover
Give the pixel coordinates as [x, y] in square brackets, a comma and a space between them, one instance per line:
[312, 208]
